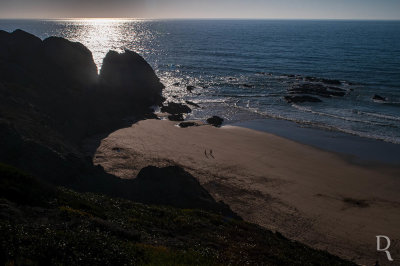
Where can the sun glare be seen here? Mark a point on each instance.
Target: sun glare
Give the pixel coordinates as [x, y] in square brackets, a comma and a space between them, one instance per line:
[99, 20]
[103, 34]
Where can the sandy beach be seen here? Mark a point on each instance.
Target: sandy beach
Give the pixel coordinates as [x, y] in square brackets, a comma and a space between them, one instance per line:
[307, 194]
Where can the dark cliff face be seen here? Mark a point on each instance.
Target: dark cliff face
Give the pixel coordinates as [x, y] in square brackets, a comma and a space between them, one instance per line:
[59, 78]
[50, 101]
[52, 62]
[72, 59]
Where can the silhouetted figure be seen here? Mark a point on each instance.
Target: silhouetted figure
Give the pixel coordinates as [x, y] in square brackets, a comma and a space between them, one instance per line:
[211, 154]
[205, 153]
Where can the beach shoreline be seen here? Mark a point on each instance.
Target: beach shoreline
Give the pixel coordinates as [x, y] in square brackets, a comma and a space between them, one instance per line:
[310, 195]
[356, 149]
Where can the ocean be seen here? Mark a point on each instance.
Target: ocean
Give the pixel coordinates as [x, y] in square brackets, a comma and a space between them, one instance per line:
[243, 69]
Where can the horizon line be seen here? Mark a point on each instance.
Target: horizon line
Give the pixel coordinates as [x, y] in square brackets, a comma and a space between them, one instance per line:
[200, 18]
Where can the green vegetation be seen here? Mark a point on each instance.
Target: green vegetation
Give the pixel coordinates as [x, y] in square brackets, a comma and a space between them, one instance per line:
[44, 225]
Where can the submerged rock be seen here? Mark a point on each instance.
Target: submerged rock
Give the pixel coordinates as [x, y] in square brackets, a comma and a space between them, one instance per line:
[323, 80]
[190, 88]
[378, 98]
[247, 85]
[215, 121]
[301, 99]
[175, 108]
[317, 89]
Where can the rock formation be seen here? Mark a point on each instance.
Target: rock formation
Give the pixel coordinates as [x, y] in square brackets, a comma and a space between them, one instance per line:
[50, 101]
[378, 98]
[176, 117]
[188, 124]
[302, 99]
[215, 121]
[72, 60]
[317, 89]
[176, 108]
[51, 98]
[55, 61]
[323, 80]
[129, 76]
[190, 88]
[309, 89]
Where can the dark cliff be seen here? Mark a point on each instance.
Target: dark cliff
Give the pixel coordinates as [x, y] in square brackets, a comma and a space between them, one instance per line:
[60, 78]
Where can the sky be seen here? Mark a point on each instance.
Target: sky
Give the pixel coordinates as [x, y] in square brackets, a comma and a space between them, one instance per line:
[253, 9]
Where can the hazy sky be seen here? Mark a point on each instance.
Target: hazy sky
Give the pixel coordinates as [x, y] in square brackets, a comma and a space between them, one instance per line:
[290, 9]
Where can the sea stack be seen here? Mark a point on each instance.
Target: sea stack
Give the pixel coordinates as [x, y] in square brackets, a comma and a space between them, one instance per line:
[129, 76]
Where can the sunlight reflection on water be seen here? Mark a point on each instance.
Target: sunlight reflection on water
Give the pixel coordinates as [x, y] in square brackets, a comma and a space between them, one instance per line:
[102, 35]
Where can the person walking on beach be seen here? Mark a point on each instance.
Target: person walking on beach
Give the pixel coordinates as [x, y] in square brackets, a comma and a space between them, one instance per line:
[211, 154]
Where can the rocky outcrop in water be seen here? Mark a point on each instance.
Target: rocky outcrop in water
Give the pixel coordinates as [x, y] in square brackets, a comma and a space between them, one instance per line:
[131, 78]
[247, 86]
[302, 99]
[175, 108]
[317, 89]
[323, 80]
[215, 121]
[378, 98]
[190, 88]
[309, 89]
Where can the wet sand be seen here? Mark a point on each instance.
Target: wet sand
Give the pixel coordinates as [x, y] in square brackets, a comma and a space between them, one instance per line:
[307, 194]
